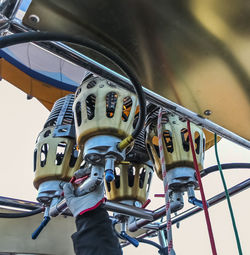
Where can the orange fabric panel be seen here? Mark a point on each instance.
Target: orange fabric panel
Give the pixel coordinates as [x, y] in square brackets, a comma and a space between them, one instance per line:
[44, 92]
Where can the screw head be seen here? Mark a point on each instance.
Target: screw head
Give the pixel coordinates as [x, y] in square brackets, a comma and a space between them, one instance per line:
[137, 204]
[34, 19]
[207, 112]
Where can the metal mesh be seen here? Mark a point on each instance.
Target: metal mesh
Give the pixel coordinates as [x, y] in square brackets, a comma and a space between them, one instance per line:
[139, 152]
[62, 108]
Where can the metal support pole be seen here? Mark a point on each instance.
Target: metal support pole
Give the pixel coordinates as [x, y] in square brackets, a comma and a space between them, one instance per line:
[135, 225]
[110, 206]
[162, 238]
[212, 201]
[79, 59]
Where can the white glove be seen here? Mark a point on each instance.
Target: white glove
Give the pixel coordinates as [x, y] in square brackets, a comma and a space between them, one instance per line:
[78, 205]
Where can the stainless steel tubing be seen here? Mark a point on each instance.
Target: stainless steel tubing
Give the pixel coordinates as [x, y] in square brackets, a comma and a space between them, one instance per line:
[87, 63]
[157, 214]
[58, 208]
[212, 201]
[192, 211]
[129, 210]
[110, 206]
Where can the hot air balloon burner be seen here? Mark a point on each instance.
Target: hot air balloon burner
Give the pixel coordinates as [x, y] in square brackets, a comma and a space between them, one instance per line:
[132, 178]
[104, 115]
[177, 150]
[131, 183]
[56, 156]
[49, 190]
[180, 178]
[102, 150]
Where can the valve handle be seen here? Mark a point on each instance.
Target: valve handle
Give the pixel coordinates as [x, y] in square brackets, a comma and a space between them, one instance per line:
[197, 202]
[130, 239]
[44, 222]
[109, 175]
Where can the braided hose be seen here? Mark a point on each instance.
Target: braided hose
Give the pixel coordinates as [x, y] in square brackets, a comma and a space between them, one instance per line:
[165, 182]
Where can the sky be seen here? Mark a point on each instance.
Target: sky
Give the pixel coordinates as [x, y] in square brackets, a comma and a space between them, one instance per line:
[21, 122]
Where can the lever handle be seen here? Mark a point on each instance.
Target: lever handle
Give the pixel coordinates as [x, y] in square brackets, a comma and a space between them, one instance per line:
[109, 175]
[130, 239]
[197, 202]
[44, 222]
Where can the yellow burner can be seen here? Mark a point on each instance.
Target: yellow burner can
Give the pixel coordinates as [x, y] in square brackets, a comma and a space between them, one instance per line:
[177, 150]
[131, 182]
[55, 158]
[103, 108]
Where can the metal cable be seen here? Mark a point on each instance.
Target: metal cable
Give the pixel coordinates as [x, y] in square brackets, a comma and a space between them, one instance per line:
[165, 181]
[227, 197]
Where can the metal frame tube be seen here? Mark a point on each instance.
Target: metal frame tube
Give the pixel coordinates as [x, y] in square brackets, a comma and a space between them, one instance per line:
[110, 206]
[212, 201]
[91, 65]
[137, 212]
[134, 226]
[129, 210]
[62, 206]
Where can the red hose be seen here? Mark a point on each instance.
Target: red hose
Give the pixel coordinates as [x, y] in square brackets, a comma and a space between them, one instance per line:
[146, 203]
[204, 202]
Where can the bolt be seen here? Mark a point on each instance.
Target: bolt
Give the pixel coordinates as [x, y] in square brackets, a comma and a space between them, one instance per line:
[94, 158]
[111, 84]
[208, 112]
[29, 97]
[137, 204]
[34, 18]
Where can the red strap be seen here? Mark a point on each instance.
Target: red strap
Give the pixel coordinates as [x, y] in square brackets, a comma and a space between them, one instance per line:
[159, 195]
[93, 207]
[204, 202]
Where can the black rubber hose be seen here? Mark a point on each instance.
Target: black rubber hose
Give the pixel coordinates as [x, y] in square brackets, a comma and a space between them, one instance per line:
[22, 214]
[13, 39]
[156, 245]
[215, 168]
